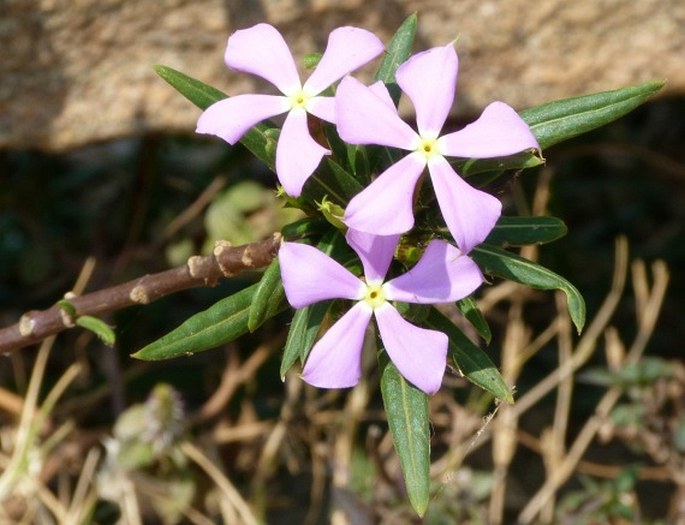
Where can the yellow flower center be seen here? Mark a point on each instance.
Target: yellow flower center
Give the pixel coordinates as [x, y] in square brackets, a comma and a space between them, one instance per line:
[299, 100]
[428, 147]
[375, 296]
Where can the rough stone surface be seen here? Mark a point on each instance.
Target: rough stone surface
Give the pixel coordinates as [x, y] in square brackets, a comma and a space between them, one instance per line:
[74, 72]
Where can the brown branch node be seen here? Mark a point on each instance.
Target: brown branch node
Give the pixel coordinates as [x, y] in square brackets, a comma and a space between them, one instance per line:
[226, 261]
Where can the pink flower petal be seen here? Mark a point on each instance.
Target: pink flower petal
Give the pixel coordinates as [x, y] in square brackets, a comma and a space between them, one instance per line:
[442, 275]
[429, 80]
[470, 213]
[385, 207]
[335, 360]
[310, 276]
[420, 355]
[499, 131]
[322, 107]
[363, 117]
[231, 117]
[348, 48]
[375, 252]
[381, 91]
[297, 153]
[260, 50]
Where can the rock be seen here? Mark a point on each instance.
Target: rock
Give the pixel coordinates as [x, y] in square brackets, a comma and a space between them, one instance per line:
[75, 72]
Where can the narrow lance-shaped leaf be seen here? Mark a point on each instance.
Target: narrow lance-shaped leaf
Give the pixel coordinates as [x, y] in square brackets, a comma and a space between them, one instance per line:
[501, 263]
[520, 231]
[303, 331]
[468, 307]
[269, 288]
[350, 156]
[307, 321]
[221, 323]
[407, 410]
[473, 362]
[260, 140]
[199, 93]
[524, 160]
[362, 161]
[332, 181]
[304, 228]
[398, 51]
[561, 120]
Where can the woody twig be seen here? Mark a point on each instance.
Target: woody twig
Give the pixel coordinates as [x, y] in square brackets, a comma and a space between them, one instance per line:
[225, 261]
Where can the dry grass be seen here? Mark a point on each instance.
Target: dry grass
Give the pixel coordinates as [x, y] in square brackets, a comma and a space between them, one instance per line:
[326, 456]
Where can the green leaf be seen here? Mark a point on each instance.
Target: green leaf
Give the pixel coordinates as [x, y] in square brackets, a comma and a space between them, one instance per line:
[307, 321]
[93, 324]
[331, 181]
[397, 52]
[221, 323]
[260, 140]
[351, 157]
[269, 289]
[304, 228]
[340, 184]
[519, 231]
[524, 160]
[407, 410]
[501, 263]
[335, 246]
[473, 362]
[469, 309]
[98, 327]
[560, 120]
[303, 331]
[197, 92]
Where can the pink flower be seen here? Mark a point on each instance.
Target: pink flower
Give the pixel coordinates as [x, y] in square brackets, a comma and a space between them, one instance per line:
[365, 115]
[260, 50]
[442, 275]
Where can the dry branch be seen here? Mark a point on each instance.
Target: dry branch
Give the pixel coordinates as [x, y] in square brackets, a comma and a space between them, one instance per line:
[226, 261]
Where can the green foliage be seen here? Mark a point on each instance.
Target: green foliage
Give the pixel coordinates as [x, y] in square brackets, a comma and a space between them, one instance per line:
[245, 212]
[398, 51]
[496, 167]
[197, 92]
[146, 446]
[561, 120]
[521, 231]
[340, 177]
[269, 288]
[500, 263]
[260, 140]
[609, 501]
[468, 307]
[331, 181]
[98, 327]
[90, 323]
[407, 409]
[473, 362]
[643, 373]
[304, 328]
[221, 323]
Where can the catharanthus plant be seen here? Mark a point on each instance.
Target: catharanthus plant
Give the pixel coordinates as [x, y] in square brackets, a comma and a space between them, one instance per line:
[442, 275]
[365, 115]
[261, 50]
[415, 340]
